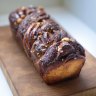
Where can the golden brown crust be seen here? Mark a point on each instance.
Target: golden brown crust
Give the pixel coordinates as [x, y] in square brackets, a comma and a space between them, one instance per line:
[56, 55]
[64, 71]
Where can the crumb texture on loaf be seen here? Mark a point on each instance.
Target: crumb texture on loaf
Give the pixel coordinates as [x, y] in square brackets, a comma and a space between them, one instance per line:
[56, 55]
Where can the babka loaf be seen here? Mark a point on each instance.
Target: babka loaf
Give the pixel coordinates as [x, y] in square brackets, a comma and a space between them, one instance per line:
[55, 54]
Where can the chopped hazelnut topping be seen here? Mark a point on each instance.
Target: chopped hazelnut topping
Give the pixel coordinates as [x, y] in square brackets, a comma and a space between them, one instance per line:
[37, 53]
[40, 59]
[38, 23]
[22, 16]
[40, 8]
[40, 33]
[32, 51]
[39, 36]
[61, 51]
[46, 46]
[66, 39]
[19, 20]
[43, 50]
[59, 48]
[23, 8]
[54, 43]
[44, 21]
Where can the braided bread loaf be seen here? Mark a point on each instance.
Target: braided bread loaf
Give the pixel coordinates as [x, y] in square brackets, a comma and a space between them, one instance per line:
[55, 54]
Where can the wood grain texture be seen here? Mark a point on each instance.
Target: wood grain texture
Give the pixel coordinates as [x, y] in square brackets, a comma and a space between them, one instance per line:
[26, 81]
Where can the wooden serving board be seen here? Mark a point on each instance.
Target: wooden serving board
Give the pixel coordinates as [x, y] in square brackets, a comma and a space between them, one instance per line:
[24, 80]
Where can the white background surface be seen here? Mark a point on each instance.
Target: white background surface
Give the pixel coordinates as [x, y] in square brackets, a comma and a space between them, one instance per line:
[4, 88]
[84, 9]
[79, 30]
[10, 5]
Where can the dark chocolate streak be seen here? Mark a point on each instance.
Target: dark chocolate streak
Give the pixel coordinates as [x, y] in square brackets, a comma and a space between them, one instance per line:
[43, 39]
